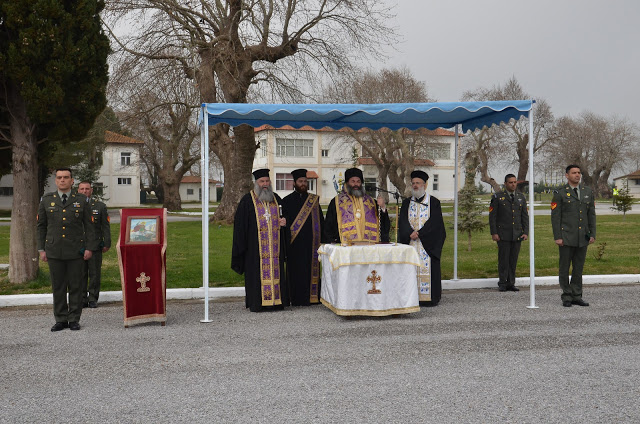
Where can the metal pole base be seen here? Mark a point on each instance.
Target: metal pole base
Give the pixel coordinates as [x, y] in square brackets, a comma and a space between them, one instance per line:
[206, 320]
[532, 307]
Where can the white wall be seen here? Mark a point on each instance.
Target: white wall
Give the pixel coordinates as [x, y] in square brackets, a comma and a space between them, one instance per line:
[120, 194]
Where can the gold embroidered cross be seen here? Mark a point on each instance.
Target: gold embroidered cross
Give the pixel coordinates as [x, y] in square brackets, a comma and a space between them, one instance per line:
[373, 279]
[143, 279]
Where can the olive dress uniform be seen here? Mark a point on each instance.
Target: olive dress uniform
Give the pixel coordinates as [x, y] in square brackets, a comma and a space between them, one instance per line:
[573, 218]
[509, 219]
[64, 232]
[93, 267]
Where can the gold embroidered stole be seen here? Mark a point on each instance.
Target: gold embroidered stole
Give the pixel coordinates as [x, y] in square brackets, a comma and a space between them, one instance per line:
[310, 207]
[418, 215]
[269, 247]
[357, 218]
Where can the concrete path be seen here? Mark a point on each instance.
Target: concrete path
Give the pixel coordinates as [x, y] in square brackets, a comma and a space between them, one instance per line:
[480, 356]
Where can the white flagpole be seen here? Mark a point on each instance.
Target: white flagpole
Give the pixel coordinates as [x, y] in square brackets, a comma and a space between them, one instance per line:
[532, 261]
[204, 162]
[455, 211]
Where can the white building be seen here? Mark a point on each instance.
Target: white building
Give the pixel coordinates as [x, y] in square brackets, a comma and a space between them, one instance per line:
[191, 189]
[120, 172]
[630, 181]
[327, 153]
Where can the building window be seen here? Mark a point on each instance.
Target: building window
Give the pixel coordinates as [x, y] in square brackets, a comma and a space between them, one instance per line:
[435, 182]
[370, 185]
[312, 184]
[125, 158]
[438, 151]
[284, 181]
[124, 181]
[98, 189]
[637, 182]
[325, 153]
[6, 191]
[189, 191]
[292, 147]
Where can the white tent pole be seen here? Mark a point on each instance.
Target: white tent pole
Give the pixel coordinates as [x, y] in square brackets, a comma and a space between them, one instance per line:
[204, 163]
[532, 260]
[455, 210]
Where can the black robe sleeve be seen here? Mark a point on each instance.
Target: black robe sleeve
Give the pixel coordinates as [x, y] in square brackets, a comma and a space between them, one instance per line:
[332, 235]
[404, 229]
[240, 235]
[385, 226]
[432, 234]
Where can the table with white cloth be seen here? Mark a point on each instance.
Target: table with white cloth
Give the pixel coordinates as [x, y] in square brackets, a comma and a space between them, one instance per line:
[373, 280]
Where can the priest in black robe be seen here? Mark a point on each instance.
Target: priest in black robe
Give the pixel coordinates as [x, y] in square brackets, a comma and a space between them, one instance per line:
[420, 224]
[353, 215]
[257, 252]
[304, 221]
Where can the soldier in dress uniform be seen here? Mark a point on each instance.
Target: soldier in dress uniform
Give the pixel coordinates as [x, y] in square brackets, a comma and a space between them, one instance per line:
[65, 240]
[573, 218]
[93, 267]
[509, 224]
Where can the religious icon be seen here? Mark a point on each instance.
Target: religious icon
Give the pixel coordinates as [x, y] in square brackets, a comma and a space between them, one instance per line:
[142, 229]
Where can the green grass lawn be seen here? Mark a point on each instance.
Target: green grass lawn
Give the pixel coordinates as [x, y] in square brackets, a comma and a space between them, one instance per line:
[184, 255]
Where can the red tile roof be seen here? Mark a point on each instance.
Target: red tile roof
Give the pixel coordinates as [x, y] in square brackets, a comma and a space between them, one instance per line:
[437, 131]
[194, 179]
[111, 137]
[633, 176]
[419, 162]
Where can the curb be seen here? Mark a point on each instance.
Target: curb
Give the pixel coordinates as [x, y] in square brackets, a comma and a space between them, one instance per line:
[231, 292]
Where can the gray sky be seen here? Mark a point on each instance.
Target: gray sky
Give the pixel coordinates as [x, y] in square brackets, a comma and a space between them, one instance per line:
[577, 54]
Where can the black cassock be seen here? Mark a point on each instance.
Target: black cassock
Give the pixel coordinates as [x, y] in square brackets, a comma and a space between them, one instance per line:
[300, 251]
[332, 234]
[432, 235]
[245, 255]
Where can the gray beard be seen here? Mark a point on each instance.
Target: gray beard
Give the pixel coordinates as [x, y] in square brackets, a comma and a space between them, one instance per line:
[355, 192]
[264, 194]
[418, 193]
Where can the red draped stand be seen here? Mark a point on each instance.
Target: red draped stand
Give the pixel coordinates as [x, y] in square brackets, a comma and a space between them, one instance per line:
[142, 258]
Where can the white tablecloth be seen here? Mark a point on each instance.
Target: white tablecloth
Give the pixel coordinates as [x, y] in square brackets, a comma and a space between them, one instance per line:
[348, 273]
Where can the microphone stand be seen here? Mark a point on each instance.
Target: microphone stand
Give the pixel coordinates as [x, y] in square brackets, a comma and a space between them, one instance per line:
[397, 196]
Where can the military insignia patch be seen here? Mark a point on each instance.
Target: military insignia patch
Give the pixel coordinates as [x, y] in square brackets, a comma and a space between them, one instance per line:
[108, 219]
[490, 208]
[568, 194]
[554, 205]
[76, 204]
[53, 204]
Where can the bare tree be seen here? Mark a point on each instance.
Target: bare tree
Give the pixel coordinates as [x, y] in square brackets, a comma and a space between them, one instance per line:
[514, 134]
[393, 152]
[597, 144]
[278, 47]
[163, 114]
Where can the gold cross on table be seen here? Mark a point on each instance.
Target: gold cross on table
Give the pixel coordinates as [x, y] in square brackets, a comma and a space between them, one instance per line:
[143, 279]
[373, 279]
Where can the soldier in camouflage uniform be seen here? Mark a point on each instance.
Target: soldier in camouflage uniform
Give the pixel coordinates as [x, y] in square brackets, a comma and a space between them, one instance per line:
[93, 267]
[65, 240]
[509, 224]
[573, 217]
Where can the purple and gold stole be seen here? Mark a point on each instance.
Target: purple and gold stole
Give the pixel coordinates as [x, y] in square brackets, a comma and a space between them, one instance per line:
[310, 207]
[269, 245]
[348, 220]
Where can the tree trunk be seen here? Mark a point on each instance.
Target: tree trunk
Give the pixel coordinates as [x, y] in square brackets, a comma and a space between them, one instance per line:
[237, 163]
[23, 255]
[171, 199]
[469, 241]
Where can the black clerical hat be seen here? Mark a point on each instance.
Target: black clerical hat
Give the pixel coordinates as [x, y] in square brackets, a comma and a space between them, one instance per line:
[420, 174]
[353, 172]
[259, 173]
[299, 173]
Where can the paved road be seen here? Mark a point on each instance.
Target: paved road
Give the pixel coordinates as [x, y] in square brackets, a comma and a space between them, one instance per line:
[481, 356]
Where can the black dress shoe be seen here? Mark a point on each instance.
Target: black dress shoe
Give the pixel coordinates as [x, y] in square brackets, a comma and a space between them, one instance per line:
[85, 304]
[59, 326]
[93, 304]
[74, 326]
[566, 303]
[580, 302]
[502, 289]
[513, 288]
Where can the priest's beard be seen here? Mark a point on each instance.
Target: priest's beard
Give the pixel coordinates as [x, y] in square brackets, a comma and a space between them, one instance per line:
[264, 194]
[419, 193]
[355, 192]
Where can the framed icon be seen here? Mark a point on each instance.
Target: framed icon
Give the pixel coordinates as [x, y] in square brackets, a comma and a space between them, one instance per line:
[142, 230]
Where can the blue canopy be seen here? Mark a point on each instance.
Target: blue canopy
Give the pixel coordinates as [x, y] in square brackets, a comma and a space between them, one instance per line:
[472, 115]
